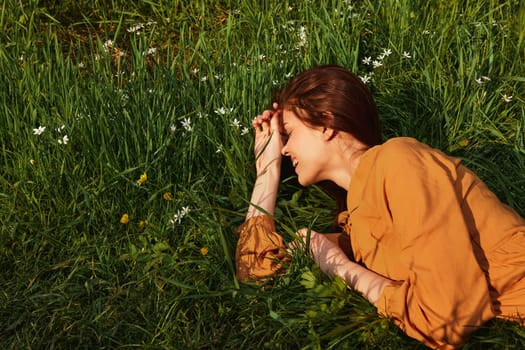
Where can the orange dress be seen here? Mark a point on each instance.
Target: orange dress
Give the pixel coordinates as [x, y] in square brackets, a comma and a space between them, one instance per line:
[420, 218]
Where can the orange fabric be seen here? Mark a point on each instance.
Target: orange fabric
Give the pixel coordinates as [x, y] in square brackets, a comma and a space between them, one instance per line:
[420, 218]
[260, 250]
[423, 220]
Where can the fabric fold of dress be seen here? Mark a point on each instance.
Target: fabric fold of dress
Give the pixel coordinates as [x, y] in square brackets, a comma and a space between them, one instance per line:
[260, 251]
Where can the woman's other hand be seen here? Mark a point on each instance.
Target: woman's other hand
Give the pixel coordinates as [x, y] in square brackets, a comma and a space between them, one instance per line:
[333, 261]
[326, 253]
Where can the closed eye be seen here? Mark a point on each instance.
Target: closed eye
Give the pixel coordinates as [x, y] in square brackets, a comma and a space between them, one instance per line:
[285, 136]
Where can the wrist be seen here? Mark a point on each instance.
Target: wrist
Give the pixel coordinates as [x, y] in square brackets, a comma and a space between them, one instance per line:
[366, 282]
[271, 170]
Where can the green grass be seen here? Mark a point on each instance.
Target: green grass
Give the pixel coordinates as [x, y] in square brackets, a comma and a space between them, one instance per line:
[73, 276]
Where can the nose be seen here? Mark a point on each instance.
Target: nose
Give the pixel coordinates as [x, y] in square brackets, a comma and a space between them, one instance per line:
[284, 150]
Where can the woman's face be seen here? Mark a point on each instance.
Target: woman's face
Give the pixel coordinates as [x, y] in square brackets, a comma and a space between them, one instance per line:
[306, 146]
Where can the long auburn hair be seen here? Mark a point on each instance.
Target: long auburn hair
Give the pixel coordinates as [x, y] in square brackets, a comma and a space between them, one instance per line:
[331, 96]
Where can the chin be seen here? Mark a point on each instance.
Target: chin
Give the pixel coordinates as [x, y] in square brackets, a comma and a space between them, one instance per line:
[303, 182]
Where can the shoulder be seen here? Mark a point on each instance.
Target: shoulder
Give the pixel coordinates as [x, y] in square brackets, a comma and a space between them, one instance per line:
[405, 154]
[402, 149]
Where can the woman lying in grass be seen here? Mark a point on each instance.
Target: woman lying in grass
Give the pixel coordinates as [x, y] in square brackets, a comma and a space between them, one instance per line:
[423, 238]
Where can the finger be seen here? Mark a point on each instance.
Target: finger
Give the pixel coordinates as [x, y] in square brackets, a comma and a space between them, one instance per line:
[294, 245]
[303, 233]
[275, 106]
[266, 121]
[275, 122]
[258, 120]
[267, 115]
[265, 126]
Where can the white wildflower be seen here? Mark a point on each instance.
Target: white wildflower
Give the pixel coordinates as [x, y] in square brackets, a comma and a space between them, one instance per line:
[64, 140]
[262, 57]
[108, 45]
[236, 123]
[151, 50]
[275, 82]
[386, 53]
[195, 70]
[39, 131]
[506, 98]
[288, 75]
[223, 111]
[186, 124]
[406, 54]
[136, 28]
[482, 79]
[173, 127]
[81, 65]
[245, 130]
[377, 63]
[302, 36]
[204, 78]
[367, 60]
[365, 79]
[61, 128]
[179, 215]
[349, 4]
[219, 149]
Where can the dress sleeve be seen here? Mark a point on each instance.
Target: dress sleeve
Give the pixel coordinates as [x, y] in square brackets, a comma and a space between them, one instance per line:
[446, 295]
[260, 250]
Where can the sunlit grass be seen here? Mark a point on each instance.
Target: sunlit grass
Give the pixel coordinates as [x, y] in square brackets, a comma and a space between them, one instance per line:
[167, 91]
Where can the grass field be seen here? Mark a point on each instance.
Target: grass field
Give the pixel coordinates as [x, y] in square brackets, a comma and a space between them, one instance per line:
[127, 163]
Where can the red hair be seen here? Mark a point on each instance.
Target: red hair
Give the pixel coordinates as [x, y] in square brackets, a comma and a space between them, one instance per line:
[332, 97]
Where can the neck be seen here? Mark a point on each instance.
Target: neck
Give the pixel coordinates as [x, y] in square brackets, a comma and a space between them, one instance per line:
[347, 157]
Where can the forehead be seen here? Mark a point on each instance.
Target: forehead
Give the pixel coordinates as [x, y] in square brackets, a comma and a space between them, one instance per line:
[288, 116]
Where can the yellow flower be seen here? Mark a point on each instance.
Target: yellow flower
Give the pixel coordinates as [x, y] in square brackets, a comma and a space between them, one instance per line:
[464, 143]
[142, 224]
[142, 179]
[167, 196]
[204, 251]
[124, 219]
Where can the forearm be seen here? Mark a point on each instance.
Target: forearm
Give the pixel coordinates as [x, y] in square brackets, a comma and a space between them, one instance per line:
[265, 190]
[362, 280]
[333, 261]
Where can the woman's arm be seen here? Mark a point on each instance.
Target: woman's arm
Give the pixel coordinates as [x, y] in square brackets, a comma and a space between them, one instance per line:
[267, 149]
[260, 250]
[333, 261]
